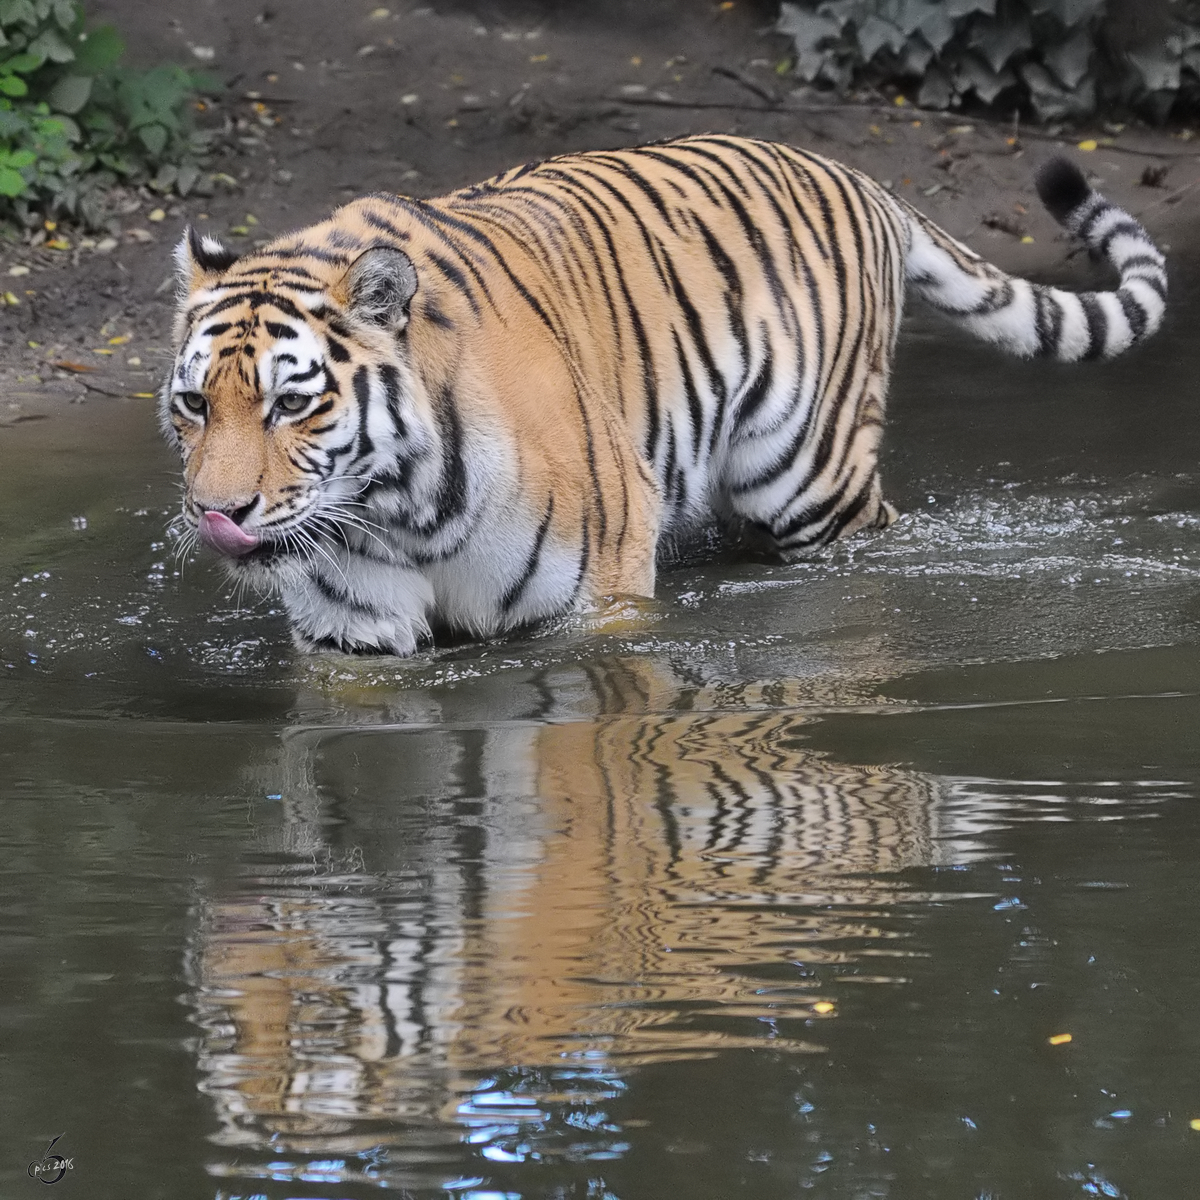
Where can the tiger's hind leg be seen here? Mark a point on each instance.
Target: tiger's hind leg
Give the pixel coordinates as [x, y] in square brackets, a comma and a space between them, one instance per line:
[803, 498]
[621, 524]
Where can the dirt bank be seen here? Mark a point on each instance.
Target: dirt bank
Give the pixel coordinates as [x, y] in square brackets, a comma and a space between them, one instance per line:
[330, 100]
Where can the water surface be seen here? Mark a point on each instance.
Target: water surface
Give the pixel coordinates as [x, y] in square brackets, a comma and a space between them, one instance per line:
[779, 885]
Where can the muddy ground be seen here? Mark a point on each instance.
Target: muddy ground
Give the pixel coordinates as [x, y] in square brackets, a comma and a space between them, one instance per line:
[331, 98]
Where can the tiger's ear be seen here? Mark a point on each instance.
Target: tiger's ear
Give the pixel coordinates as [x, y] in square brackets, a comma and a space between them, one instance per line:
[379, 288]
[198, 258]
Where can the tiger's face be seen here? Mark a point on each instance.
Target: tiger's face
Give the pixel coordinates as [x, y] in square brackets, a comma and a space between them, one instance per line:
[267, 403]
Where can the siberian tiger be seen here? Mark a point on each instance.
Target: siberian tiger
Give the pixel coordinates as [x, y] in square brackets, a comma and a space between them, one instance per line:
[487, 409]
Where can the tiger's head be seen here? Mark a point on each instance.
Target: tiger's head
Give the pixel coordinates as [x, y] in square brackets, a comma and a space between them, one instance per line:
[290, 380]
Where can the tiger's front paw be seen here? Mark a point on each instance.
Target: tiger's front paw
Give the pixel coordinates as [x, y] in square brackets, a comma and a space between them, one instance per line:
[378, 612]
[385, 642]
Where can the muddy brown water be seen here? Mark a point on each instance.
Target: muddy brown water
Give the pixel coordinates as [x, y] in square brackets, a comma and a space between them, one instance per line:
[780, 885]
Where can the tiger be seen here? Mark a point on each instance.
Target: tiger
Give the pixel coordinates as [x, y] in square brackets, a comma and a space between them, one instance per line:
[492, 408]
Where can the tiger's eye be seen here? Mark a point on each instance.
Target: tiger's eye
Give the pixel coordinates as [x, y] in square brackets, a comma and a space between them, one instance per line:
[292, 402]
[193, 401]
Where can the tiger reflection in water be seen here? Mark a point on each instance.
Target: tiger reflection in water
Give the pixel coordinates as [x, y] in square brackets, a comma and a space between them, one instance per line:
[455, 901]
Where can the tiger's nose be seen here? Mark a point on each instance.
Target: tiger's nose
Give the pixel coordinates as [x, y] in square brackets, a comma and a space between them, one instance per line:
[236, 512]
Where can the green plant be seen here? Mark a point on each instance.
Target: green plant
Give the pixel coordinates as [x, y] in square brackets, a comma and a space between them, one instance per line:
[1055, 58]
[72, 122]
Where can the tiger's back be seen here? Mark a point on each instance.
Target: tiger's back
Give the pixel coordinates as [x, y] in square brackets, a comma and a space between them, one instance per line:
[499, 401]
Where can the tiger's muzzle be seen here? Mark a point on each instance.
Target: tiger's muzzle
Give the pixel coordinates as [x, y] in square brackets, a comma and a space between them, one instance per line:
[225, 536]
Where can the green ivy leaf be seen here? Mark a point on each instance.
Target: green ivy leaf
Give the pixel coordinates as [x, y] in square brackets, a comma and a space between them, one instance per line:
[188, 174]
[1071, 12]
[11, 183]
[938, 27]
[115, 162]
[874, 33]
[1158, 66]
[936, 90]
[806, 28]
[13, 12]
[13, 85]
[99, 49]
[154, 138]
[49, 44]
[21, 64]
[1069, 60]
[973, 74]
[998, 40]
[70, 93]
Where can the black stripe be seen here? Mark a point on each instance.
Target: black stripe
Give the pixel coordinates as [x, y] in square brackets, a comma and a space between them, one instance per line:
[362, 395]
[456, 277]
[341, 597]
[695, 409]
[1142, 260]
[312, 371]
[435, 316]
[255, 300]
[373, 219]
[585, 555]
[509, 600]
[390, 378]
[1135, 314]
[813, 514]
[1128, 226]
[1084, 230]
[1048, 321]
[452, 494]
[1156, 283]
[760, 387]
[303, 250]
[1097, 324]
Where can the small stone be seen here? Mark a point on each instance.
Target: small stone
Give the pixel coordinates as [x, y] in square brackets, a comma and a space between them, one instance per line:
[18, 270]
[157, 214]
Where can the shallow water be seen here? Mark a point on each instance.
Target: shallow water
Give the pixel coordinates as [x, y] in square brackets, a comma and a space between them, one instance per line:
[778, 885]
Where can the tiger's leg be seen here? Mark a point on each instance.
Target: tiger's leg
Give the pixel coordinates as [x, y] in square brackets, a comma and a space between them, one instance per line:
[622, 560]
[829, 487]
[355, 604]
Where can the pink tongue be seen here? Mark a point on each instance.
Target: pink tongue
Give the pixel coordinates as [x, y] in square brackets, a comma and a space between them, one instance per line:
[219, 532]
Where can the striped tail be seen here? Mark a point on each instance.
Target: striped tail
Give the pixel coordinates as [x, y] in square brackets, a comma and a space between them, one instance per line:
[1029, 319]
